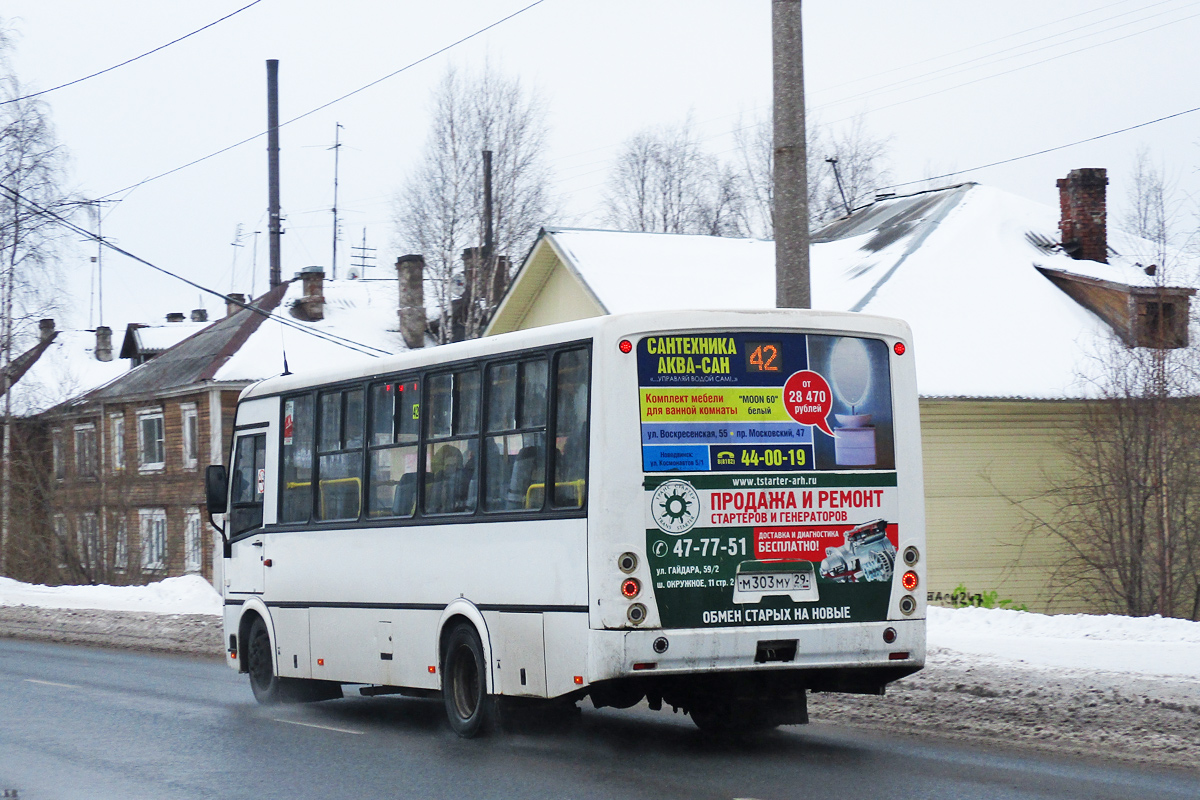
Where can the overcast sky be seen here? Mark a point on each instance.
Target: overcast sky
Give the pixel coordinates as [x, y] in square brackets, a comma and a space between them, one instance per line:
[954, 84]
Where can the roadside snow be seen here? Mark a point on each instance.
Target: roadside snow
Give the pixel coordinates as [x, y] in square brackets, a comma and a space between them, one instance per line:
[189, 594]
[1138, 645]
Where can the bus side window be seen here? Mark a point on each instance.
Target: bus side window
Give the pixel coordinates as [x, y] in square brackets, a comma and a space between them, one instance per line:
[515, 447]
[451, 457]
[297, 459]
[339, 455]
[249, 476]
[571, 379]
[394, 455]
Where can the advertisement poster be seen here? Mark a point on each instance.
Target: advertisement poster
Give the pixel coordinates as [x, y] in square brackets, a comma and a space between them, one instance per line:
[770, 483]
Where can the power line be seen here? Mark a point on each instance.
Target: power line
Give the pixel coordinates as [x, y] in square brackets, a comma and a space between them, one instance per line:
[332, 338]
[324, 106]
[1047, 150]
[131, 60]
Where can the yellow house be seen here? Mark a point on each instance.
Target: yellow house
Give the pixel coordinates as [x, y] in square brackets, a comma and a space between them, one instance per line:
[1005, 324]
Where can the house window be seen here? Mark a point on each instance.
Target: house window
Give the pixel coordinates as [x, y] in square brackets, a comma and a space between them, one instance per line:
[150, 440]
[61, 539]
[190, 434]
[116, 428]
[120, 543]
[85, 450]
[87, 540]
[153, 527]
[59, 458]
[193, 548]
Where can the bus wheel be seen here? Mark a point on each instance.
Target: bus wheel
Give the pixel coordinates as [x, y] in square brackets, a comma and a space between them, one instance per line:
[464, 685]
[726, 718]
[263, 680]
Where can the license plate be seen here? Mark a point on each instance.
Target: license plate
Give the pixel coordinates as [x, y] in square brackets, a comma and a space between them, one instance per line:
[756, 580]
[775, 582]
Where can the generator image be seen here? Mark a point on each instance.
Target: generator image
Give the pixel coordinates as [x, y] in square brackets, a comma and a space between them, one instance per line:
[867, 555]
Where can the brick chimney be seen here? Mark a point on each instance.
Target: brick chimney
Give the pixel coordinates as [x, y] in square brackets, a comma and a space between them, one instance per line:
[1084, 216]
[311, 306]
[232, 308]
[45, 330]
[410, 270]
[104, 343]
[199, 315]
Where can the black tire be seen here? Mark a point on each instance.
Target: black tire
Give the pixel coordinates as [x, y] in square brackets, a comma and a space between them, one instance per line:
[464, 682]
[724, 718]
[268, 687]
[260, 663]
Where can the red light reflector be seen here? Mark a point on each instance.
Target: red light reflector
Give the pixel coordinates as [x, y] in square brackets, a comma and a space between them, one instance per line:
[630, 587]
[433, 670]
[899, 348]
[320, 662]
[897, 656]
[909, 581]
[641, 665]
[579, 680]
[626, 346]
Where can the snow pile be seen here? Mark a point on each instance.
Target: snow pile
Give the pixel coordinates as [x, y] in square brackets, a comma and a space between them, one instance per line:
[189, 594]
[1139, 645]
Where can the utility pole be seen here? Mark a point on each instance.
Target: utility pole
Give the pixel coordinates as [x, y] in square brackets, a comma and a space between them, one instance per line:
[337, 147]
[792, 288]
[273, 222]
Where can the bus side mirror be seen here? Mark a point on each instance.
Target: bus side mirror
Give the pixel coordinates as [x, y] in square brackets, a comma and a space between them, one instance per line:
[216, 489]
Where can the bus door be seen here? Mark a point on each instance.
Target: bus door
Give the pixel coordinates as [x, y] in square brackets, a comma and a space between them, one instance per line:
[245, 573]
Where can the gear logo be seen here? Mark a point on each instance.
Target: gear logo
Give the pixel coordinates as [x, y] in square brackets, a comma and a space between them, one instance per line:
[675, 507]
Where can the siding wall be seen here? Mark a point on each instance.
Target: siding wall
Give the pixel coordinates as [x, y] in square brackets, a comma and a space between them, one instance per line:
[980, 457]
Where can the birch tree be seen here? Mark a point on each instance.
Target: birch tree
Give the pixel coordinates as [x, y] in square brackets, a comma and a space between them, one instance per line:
[439, 210]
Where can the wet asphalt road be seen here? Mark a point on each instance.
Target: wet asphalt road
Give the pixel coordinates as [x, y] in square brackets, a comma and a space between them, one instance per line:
[80, 722]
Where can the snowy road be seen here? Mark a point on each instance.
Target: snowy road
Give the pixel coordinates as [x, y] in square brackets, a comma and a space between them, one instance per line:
[90, 723]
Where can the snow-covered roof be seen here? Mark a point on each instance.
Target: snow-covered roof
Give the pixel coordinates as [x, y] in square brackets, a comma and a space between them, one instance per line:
[153, 339]
[360, 323]
[960, 265]
[67, 368]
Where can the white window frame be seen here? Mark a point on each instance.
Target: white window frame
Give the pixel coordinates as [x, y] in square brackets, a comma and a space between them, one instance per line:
[87, 540]
[120, 543]
[152, 528]
[144, 415]
[116, 430]
[190, 435]
[58, 457]
[62, 535]
[93, 469]
[193, 541]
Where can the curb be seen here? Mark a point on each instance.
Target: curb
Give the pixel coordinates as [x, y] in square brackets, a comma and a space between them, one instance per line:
[193, 634]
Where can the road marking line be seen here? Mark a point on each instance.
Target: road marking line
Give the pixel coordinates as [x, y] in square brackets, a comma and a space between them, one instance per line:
[52, 683]
[322, 727]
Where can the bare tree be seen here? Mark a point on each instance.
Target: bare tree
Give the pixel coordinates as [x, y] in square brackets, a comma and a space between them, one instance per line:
[755, 160]
[860, 162]
[31, 175]
[1151, 206]
[439, 211]
[664, 182]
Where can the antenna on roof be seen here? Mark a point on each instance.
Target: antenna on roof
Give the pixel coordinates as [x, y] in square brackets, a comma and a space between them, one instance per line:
[283, 349]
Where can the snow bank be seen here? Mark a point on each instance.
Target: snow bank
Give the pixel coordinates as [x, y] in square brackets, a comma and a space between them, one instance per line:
[189, 594]
[1140, 645]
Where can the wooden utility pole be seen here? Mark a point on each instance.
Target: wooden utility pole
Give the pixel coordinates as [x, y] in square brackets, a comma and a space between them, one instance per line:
[274, 229]
[791, 173]
[337, 149]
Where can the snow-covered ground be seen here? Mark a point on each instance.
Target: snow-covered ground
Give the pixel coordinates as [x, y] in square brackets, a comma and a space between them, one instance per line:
[1138, 645]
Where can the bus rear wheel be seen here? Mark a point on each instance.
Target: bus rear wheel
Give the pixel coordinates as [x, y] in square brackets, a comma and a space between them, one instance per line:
[464, 683]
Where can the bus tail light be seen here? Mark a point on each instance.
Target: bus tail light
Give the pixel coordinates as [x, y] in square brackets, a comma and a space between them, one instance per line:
[631, 587]
[627, 562]
[636, 613]
[625, 346]
[641, 665]
[889, 635]
[899, 348]
[898, 656]
[909, 581]
[908, 604]
[911, 556]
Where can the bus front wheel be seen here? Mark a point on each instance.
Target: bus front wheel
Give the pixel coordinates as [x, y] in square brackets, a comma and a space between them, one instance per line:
[464, 683]
[261, 666]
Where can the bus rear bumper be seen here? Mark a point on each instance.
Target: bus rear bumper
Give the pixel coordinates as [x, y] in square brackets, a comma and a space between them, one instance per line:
[826, 650]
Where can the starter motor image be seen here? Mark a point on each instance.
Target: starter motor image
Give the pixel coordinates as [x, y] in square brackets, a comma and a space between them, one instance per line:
[867, 555]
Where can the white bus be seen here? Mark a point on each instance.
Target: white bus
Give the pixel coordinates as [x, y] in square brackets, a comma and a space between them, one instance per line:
[718, 511]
